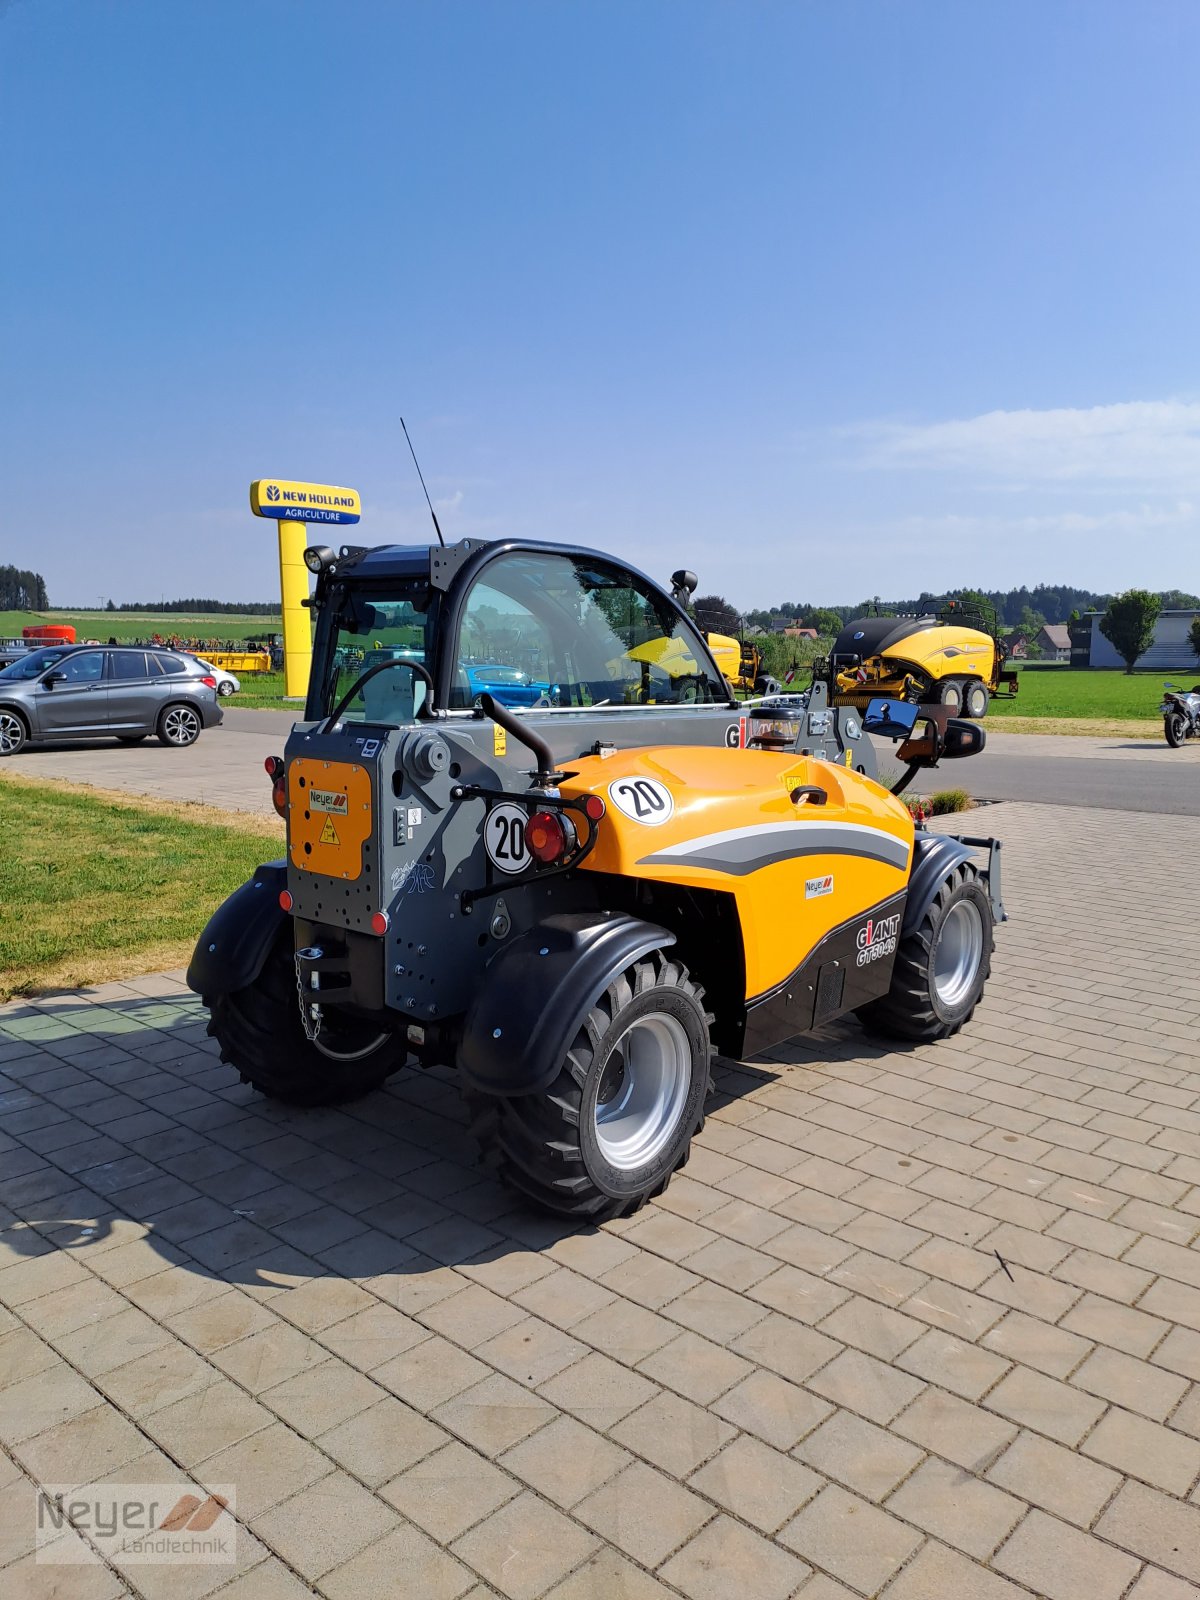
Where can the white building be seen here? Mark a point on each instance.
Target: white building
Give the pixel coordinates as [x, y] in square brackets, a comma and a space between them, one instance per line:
[1171, 651]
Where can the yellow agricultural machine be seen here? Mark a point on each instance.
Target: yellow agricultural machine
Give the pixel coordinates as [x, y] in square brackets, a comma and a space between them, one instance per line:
[954, 658]
[741, 664]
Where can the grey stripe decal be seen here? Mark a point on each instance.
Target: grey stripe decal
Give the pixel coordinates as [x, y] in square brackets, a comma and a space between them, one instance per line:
[740, 851]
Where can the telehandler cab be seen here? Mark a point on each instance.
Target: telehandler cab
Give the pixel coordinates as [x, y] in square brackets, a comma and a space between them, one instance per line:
[577, 902]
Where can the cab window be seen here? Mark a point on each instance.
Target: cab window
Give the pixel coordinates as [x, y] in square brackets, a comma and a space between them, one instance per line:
[557, 630]
[374, 627]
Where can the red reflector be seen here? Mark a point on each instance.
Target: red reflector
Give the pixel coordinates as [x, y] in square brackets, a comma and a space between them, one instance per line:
[548, 836]
[279, 796]
[269, 766]
[285, 900]
[593, 808]
[380, 922]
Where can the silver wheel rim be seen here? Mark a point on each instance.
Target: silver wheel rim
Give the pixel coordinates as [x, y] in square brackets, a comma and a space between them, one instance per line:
[350, 1055]
[976, 701]
[12, 734]
[224, 688]
[959, 952]
[181, 725]
[647, 1077]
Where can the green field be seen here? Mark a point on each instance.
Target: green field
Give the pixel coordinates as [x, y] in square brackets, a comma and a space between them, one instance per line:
[97, 887]
[1092, 695]
[105, 625]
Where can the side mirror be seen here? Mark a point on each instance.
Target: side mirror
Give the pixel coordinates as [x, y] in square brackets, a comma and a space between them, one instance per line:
[683, 585]
[891, 719]
[962, 738]
[52, 678]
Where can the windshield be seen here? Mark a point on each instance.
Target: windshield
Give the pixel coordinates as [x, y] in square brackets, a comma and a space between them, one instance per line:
[34, 664]
[387, 624]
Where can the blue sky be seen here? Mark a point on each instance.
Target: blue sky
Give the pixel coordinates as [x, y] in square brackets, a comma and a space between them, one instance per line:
[822, 299]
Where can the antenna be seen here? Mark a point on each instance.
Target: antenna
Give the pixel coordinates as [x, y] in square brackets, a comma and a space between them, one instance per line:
[421, 475]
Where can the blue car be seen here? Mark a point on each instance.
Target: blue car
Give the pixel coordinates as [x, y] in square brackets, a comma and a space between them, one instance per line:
[508, 685]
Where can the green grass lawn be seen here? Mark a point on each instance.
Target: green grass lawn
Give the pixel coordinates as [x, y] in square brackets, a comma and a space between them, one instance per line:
[1092, 695]
[121, 625]
[95, 888]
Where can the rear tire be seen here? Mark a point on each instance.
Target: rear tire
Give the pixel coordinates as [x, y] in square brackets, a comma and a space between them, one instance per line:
[224, 688]
[620, 1117]
[976, 700]
[951, 695]
[260, 1033]
[941, 966]
[1174, 726]
[179, 726]
[13, 733]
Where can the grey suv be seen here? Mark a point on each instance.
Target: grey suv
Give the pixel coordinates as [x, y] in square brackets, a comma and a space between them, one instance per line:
[85, 691]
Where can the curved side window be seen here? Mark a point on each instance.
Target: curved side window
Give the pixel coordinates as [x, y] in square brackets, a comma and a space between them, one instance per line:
[556, 630]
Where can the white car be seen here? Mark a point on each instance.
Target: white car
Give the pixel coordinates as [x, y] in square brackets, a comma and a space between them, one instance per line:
[227, 684]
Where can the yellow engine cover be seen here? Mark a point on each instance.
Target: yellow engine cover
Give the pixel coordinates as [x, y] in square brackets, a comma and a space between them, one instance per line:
[724, 819]
[328, 817]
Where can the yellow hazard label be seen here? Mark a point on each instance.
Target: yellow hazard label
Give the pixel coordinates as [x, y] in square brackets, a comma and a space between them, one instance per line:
[329, 833]
[499, 740]
[849, 758]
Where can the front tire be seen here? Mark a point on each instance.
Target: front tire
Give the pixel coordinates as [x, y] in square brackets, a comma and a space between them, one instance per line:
[260, 1033]
[179, 726]
[620, 1117]
[1174, 726]
[941, 966]
[976, 700]
[224, 688]
[13, 733]
[951, 695]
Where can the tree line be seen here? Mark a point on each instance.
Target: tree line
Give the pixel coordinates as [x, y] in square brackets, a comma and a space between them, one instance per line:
[248, 608]
[22, 591]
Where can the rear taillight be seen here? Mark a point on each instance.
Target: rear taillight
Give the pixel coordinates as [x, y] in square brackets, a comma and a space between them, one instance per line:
[549, 836]
[277, 773]
[209, 681]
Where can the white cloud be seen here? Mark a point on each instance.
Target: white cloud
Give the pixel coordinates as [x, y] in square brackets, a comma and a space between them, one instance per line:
[1154, 444]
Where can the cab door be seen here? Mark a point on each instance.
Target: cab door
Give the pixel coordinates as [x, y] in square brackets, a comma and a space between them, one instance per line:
[132, 699]
[72, 697]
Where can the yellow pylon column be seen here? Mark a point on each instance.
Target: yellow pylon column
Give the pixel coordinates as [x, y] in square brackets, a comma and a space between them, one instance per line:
[297, 627]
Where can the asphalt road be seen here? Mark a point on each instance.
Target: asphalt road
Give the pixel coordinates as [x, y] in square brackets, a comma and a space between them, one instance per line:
[225, 768]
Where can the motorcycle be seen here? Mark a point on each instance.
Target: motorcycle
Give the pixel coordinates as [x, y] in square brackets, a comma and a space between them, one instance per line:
[1180, 713]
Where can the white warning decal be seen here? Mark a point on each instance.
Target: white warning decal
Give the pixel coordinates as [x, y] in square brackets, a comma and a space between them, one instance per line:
[642, 800]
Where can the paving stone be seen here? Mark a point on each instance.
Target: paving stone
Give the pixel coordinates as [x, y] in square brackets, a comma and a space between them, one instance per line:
[1060, 1481]
[1036, 1344]
[1134, 1384]
[1060, 1563]
[525, 1547]
[860, 1383]
[1156, 1585]
[448, 1491]
[195, 1428]
[494, 1415]
[324, 1525]
[45, 1398]
[788, 1348]
[961, 1432]
[851, 1539]
[695, 1367]
[771, 1408]
[383, 1441]
[609, 1576]
[82, 1449]
[673, 1433]
[957, 1507]
[644, 1513]
[566, 1461]
[726, 1558]
[565, 1297]
[430, 1373]
[940, 1574]
[157, 1379]
[1159, 1456]
[1116, 1325]
[757, 1483]
[428, 1571]
[857, 1454]
[1045, 1405]
[963, 1368]
[626, 1331]
[268, 1467]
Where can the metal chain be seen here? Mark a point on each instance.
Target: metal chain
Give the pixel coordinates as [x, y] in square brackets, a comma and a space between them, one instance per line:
[310, 1011]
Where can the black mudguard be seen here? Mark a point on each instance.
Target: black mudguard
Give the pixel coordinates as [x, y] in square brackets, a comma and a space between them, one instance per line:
[536, 993]
[230, 952]
[935, 856]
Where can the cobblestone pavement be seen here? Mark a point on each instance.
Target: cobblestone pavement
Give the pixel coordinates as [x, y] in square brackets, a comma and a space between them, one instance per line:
[923, 1324]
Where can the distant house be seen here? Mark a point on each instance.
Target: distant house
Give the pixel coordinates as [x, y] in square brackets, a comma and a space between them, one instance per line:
[1054, 641]
[800, 633]
[1018, 646]
[1171, 650]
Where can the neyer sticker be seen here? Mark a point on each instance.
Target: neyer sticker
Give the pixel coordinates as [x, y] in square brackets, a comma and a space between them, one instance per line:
[642, 800]
[335, 801]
